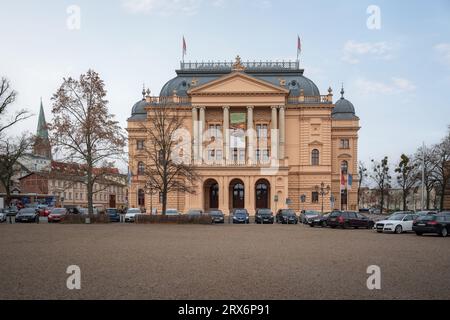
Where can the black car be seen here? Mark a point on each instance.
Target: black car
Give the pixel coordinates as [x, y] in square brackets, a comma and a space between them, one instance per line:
[349, 219]
[216, 216]
[320, 221]
[264, 216]
[27, 215]
[240, 216]
[11, 211]
[434, 223]
[286, 216]
[113, 214]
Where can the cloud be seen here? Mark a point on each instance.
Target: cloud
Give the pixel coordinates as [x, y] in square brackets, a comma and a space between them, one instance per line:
[443, 49]
[353, 51]
[396, 85]
[162, 7]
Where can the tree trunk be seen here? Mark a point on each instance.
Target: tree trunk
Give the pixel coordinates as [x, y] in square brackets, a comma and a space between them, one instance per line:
[382, 201]
[427, 201]
[405, 206]
[89, 186]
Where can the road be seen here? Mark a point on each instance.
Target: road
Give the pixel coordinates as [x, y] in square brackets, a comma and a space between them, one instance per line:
[130, 261]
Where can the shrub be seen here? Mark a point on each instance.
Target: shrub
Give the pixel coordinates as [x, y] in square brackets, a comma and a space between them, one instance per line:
[180, 219]
[81, 218]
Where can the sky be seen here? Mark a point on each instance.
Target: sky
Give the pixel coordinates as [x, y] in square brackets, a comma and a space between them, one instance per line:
[393, 57]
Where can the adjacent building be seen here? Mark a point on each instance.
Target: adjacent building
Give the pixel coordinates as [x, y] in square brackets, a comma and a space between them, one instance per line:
[283, 143]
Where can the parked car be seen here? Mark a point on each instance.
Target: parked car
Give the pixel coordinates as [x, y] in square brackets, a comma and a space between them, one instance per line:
[11, 211]
[194, 212]
[435, 223]
[308, 215]
[398, 222]
[113, 214]
[57, 215]
[27, 215]
[287, 216]
[320, 221]
[172, 212]
[374, 211]
[264, 216]
[349, 219]
[240, 216]
[43, 210]
[2, 215]
[85, 211]
[216, 216]
[130, 216]
[425, 213]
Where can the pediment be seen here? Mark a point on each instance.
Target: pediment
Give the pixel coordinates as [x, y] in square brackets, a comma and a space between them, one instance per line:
[238, 83]
[315, 143]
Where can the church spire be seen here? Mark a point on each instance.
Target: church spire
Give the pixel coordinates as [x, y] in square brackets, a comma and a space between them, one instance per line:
[42, 144]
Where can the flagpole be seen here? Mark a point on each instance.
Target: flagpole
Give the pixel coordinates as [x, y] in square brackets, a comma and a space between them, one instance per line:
[423, 178]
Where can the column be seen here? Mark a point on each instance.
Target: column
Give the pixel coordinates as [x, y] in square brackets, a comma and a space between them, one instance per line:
[274, 134]
[201, 129]
[225, 133]
[250, 136]
[282, 132]
[195, 133]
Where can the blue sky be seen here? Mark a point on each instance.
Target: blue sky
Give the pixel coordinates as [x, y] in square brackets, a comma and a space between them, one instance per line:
[398, 76]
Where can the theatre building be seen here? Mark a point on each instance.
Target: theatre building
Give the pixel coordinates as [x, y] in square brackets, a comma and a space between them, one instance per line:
[282, 143]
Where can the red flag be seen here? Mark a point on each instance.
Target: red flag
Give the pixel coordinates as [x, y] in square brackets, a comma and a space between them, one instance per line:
[184, 46]
[299, 44]
[342, 181]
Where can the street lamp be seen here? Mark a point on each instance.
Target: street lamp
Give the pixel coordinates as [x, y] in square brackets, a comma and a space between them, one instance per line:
[322, 190]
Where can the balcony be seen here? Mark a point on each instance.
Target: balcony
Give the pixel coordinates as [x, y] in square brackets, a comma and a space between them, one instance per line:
[311, 99]
[248, 65]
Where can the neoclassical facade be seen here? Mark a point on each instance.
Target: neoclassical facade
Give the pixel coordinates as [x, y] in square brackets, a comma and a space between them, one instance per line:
[262, 136]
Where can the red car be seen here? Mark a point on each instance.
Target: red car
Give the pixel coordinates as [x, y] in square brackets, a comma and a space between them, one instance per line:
[44, 211]
[57, 214]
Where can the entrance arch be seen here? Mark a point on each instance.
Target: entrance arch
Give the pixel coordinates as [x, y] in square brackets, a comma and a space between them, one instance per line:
[262, 194]
[211, 194]
[237, 194]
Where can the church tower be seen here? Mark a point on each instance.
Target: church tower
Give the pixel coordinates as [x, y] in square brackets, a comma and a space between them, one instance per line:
[42, 143]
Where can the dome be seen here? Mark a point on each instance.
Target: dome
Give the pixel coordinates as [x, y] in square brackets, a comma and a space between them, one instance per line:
[294, 83]
[343, 108]
[138, 111]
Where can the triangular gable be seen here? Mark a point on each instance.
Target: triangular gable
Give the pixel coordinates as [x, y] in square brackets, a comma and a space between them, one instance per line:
[237, 82]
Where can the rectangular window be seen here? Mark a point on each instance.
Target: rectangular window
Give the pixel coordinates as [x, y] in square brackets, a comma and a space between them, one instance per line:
[219, 155]
[140, 144]
[211, 155]
[315, 197]
[345, 144]
[241, 155]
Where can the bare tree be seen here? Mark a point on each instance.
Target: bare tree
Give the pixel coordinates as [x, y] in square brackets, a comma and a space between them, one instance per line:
[11, 150]
[83, 129]
[169, 166]
[362, 173]
[407, 177]
[425, 160]
[382, 178]
[441, 172]
[7, 97]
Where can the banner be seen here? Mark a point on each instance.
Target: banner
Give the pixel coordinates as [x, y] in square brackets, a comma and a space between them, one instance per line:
[237, 129]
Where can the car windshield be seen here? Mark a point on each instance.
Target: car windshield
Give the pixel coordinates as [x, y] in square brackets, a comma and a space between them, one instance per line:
[335, 214]
[111, 211]
[134, 211]
[264, 211]
[216, 213]
[240, 213]
[311, 213]
[288, 212]
[58, 211]
[26, 211]
[427, 218]
[397, 216]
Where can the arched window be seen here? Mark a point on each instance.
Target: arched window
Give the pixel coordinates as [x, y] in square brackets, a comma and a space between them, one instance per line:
[344, 167]
[315, 157]
[141, 198]
[141, 168]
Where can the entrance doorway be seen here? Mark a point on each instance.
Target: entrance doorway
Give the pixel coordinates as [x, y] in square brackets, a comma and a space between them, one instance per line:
[262, 194]
[211, 194]
[237, 194]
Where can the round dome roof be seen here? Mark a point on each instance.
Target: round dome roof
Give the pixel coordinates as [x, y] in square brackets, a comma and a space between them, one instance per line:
[295, 83]
[343, 109]
[139, 107]
[343, 106]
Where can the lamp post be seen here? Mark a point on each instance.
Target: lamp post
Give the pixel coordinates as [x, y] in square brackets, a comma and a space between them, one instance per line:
[323, 191]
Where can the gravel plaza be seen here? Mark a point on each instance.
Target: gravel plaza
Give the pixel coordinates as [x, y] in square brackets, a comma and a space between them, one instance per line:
[133, 261]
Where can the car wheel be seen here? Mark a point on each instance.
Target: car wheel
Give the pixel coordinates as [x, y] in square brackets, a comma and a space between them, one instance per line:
[324, 224]
[380, 231]
[444, 232]
[311, 225]
[419, 233]
[398, 229]
[345, 225]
